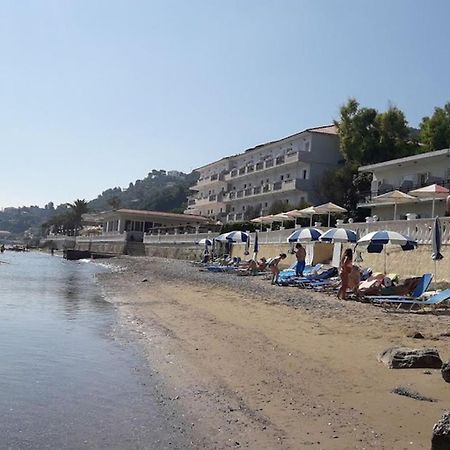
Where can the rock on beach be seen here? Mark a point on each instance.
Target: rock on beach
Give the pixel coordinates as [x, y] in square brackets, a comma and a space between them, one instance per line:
[407, 358]
[441, 433]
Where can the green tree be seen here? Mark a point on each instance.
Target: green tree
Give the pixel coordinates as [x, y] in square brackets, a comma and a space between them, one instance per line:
[435, 130]
[114, 202]
[366, 137]
[77, 209]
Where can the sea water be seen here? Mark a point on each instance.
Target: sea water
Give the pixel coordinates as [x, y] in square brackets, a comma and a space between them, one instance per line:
[65, 382]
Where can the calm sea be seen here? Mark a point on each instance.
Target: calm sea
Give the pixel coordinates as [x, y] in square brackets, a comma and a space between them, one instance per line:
[65, 382]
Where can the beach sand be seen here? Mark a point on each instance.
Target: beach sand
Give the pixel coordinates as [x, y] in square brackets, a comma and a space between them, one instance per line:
[250, 365]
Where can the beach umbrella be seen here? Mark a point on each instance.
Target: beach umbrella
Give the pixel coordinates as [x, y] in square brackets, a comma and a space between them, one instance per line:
[394, 197]
[329, 208]
[436, 244]
[377, 241]
[308, 212]
[236, 236]
[205, 241]
[255, 246]
[294, 214]
[336, 235]
[433, 191]
[305, 235]
[281, 217]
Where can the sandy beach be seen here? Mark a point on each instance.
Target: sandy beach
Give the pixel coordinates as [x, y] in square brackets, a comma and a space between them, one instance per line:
[250, 365]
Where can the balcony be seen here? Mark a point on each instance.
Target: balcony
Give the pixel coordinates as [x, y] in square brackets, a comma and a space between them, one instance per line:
[278, 186]
[216, 179]
[260, 166]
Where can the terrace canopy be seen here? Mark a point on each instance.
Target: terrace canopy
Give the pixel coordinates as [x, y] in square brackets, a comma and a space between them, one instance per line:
[433, 191]
[329, 208]
[394, 197]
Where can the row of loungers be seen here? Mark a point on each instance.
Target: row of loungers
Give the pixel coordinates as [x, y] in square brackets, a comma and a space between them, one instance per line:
[326, 280]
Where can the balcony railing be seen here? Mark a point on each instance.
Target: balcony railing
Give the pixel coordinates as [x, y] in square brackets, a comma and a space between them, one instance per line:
[263, 165]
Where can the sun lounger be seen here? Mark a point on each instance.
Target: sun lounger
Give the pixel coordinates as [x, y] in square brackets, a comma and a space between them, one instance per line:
[434, 300]
[419, 290]
[325, 275]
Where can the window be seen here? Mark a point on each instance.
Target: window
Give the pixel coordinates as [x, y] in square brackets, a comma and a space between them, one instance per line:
[305, 174]
[265, 204]
[232, 209]
[243, 208]
[287, 201]
[307, 146]
[281, 177]
[288, 175]
[262, 182]
[245, 186]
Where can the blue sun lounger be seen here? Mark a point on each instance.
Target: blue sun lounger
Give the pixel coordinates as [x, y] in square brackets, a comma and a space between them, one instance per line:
[434, 300]
[420, 289]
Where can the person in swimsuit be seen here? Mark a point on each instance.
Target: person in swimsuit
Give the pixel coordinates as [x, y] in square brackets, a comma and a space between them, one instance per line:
[344, 272]
[273, 265]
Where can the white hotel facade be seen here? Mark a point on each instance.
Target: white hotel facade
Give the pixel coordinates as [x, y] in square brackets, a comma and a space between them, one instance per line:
[289, 169]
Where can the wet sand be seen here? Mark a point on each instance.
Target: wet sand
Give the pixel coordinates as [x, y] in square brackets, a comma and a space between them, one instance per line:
[255, 366]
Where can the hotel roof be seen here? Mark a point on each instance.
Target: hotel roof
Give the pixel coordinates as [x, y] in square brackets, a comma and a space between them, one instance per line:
[325, 129]
[150, 215]
[406, 160]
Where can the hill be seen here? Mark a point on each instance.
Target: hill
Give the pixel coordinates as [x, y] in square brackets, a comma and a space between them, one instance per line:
[159, 190]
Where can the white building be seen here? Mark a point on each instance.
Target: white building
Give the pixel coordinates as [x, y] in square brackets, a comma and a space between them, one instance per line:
[406, 174]
[289, 169]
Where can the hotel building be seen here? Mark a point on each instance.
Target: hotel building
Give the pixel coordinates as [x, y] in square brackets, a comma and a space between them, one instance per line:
[287, 170]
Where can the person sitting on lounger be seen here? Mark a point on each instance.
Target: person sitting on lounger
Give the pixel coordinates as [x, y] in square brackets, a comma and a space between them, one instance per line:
[273, 265]
[262, 264]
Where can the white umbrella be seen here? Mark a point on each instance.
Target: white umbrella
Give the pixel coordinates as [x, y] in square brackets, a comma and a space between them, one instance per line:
[329, 208]
[394, 197]
[281, 217]
[433, 191]
[308, 212]
[296, 213]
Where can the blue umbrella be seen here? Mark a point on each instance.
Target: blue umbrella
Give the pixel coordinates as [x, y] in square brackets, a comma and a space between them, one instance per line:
[377, 241]
[205, 242]
[339, 235]
[436, 242]
[305, 235]
[236, 236]
[255, 246]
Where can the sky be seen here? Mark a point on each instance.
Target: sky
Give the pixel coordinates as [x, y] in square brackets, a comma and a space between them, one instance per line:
[97, 93]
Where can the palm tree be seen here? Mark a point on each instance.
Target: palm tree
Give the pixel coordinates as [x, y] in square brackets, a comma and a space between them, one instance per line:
[78, 208]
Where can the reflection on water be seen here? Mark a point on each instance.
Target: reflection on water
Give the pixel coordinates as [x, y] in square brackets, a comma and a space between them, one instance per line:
[64, 382]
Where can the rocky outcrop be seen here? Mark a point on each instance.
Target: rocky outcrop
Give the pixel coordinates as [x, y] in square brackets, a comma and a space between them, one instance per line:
[441, 433]
[445, 371]
[407, 358]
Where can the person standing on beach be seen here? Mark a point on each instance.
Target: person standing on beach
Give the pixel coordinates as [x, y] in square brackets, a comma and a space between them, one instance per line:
[300, 254]
[344, 272]
[273, 265]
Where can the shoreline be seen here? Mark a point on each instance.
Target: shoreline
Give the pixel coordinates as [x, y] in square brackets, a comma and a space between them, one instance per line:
[249, 365]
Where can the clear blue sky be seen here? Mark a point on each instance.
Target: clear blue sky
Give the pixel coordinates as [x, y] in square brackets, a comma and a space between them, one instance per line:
[95, 94]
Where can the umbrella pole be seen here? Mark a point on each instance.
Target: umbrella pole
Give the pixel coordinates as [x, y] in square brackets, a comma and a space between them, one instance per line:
[432, 209]
[310, 220]
[395, 211]
[385, 259]
[329, 216]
